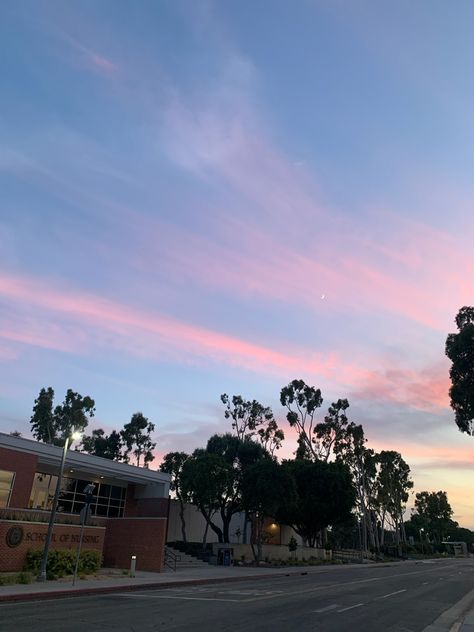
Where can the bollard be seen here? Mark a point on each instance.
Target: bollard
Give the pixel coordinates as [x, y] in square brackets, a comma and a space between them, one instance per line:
[133, 564]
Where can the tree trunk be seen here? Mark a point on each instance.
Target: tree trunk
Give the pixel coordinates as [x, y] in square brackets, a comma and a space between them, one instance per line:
[246, 522]
[183, 522]
[226, 526]
[402, 528]
[217, 530]
[204, 537]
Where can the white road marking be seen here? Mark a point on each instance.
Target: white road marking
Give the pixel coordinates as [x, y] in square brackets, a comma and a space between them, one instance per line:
[333, 606]
[357, 605]
[131, 596]
[252, 593]
[397, 592]
[424, 583]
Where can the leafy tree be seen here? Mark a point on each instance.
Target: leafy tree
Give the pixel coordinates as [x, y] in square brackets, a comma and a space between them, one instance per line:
[302, 402]
[173, 464]
[252, 420]
[316, 441]
[325, 496]
[433, 513]
[207, 479]
[221, 465]
[460, 350]
[392, 487]
[54, 426]
[136, 436]
[266, 485]
[42, 420]
[333, 435]
[105, 446]
[361, 462]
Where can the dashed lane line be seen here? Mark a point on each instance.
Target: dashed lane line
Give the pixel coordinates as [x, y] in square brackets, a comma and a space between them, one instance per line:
[333, 606]
[357, 605]
[397, 592]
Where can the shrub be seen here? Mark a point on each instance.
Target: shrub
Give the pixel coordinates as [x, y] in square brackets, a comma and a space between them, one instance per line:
[89, 562]
[62, 562]
[24, 578]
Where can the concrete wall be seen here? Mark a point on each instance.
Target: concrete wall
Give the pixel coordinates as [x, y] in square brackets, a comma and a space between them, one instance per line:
[195, 524]
[32, 536]
[143, 537]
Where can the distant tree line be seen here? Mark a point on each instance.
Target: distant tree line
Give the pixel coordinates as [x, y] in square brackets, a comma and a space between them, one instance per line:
[336, 489]
[333, 486]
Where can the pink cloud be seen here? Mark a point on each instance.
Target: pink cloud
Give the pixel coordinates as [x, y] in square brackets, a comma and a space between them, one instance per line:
[145, 329]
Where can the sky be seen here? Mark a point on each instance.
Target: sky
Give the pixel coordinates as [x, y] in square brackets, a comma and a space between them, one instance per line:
[219, 197]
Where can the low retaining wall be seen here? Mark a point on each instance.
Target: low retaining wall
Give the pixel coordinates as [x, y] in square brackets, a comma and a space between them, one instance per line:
[274, 552]
[18, 537]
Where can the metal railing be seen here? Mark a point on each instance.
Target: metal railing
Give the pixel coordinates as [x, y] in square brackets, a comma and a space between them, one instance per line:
[171, 559]
[353, 555]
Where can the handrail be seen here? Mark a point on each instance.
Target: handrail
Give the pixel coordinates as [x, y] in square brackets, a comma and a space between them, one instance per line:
[171, 559]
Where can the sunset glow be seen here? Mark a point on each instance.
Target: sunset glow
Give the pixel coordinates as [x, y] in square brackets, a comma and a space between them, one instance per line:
[233, 207]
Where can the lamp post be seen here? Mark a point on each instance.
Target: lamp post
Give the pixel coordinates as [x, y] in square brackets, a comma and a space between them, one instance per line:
[421, 540]
[44, 561]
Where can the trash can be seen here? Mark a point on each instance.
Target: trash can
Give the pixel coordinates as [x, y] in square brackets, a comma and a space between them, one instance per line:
[224, 557]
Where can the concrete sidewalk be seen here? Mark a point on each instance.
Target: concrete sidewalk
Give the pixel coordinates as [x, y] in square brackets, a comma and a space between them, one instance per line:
[467, 624]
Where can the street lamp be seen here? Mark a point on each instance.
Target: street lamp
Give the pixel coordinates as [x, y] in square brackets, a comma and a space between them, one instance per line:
[421, 540]
[44, 561]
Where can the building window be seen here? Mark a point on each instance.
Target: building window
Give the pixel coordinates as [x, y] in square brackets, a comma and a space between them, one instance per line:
[6, 486]
[109, 499]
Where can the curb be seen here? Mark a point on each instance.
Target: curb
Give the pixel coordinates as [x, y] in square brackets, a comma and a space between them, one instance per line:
[451, 620]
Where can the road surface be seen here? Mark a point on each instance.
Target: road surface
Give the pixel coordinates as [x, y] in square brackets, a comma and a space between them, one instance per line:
[389, 598]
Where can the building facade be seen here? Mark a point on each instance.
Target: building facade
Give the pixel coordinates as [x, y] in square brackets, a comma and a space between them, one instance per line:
[129, 510]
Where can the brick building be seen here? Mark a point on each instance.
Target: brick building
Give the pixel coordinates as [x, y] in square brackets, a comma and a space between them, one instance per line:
[129, 511]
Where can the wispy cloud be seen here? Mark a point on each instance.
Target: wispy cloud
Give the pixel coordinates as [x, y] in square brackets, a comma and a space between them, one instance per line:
[142, 328]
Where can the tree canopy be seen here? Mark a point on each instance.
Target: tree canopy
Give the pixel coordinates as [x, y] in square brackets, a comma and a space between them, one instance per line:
[460, 350]
[172, 464]
[105, 446]
[55, 425]
[433, 513]
[136, 436]
[250, 419]
[212, 478]
[325, 496]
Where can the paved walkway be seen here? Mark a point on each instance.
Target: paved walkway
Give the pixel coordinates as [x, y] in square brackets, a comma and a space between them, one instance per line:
[467, 625]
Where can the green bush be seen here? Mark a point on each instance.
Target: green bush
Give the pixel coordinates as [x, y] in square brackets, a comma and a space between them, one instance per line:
[16, 578]
[89, 562]
[62, 562]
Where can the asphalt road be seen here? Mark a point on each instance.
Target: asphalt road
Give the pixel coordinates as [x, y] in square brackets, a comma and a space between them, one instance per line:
[398, 598]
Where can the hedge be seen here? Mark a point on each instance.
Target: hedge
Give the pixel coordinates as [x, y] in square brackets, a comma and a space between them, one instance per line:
[62, 562]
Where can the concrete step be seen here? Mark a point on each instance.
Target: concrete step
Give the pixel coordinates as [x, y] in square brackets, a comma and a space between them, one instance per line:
[184, 560]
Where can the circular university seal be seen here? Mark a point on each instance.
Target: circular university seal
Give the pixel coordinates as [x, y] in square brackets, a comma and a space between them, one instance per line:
[14, 536]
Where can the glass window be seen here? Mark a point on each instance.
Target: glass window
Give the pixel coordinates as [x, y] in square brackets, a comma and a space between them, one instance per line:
[6, 486]
[109, 499]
